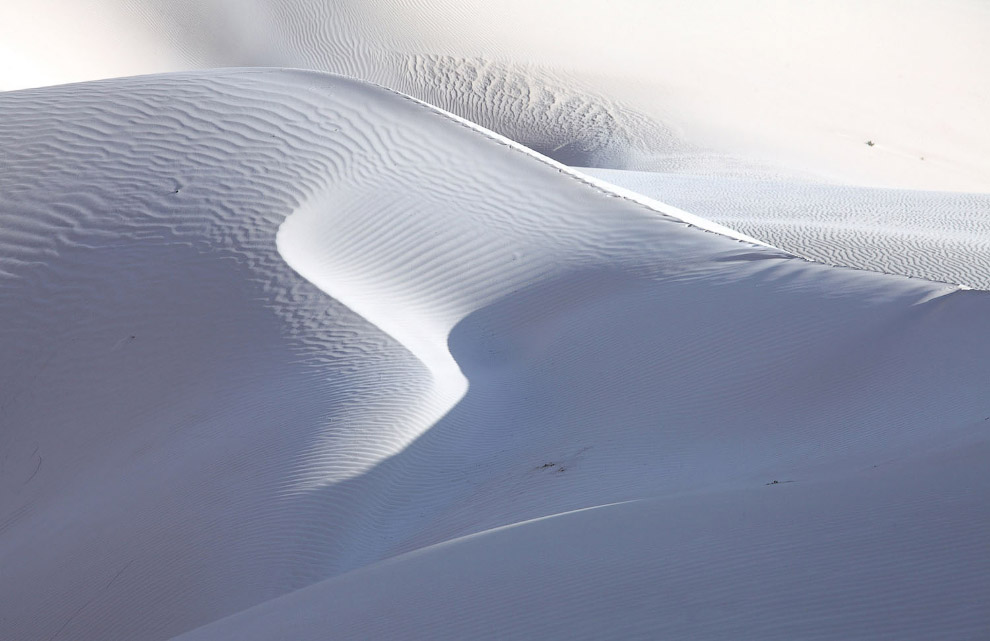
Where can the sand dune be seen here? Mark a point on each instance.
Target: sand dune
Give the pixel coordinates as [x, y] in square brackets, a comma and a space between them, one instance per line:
[287, 354]
[676, 85]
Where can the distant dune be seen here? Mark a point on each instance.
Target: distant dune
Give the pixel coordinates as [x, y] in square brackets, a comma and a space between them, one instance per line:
[288, 355]
[794, 89]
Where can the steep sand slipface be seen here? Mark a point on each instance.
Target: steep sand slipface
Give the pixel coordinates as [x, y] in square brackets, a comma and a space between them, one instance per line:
[758, 87]
[264, 330]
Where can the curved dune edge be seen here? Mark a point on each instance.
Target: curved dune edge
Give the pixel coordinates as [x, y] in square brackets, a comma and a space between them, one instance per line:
[421, 315]
[195, 429]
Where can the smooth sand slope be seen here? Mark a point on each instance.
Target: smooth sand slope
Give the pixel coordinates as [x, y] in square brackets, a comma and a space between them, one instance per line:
[762, 86]
[286, 355]
[936, 235]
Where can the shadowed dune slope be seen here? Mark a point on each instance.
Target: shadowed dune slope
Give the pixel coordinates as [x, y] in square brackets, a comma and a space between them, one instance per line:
[284, 353]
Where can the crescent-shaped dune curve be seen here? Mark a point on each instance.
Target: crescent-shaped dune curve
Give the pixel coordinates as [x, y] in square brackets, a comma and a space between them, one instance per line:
[286, 353]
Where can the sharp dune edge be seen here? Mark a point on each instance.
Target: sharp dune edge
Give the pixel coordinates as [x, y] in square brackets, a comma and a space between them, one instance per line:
[288, 355]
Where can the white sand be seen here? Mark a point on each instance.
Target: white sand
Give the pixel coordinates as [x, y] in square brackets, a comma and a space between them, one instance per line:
[676, 85]
[936, 235]
[285, 355]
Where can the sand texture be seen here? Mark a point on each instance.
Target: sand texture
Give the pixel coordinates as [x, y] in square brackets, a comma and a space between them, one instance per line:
[286, 355]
